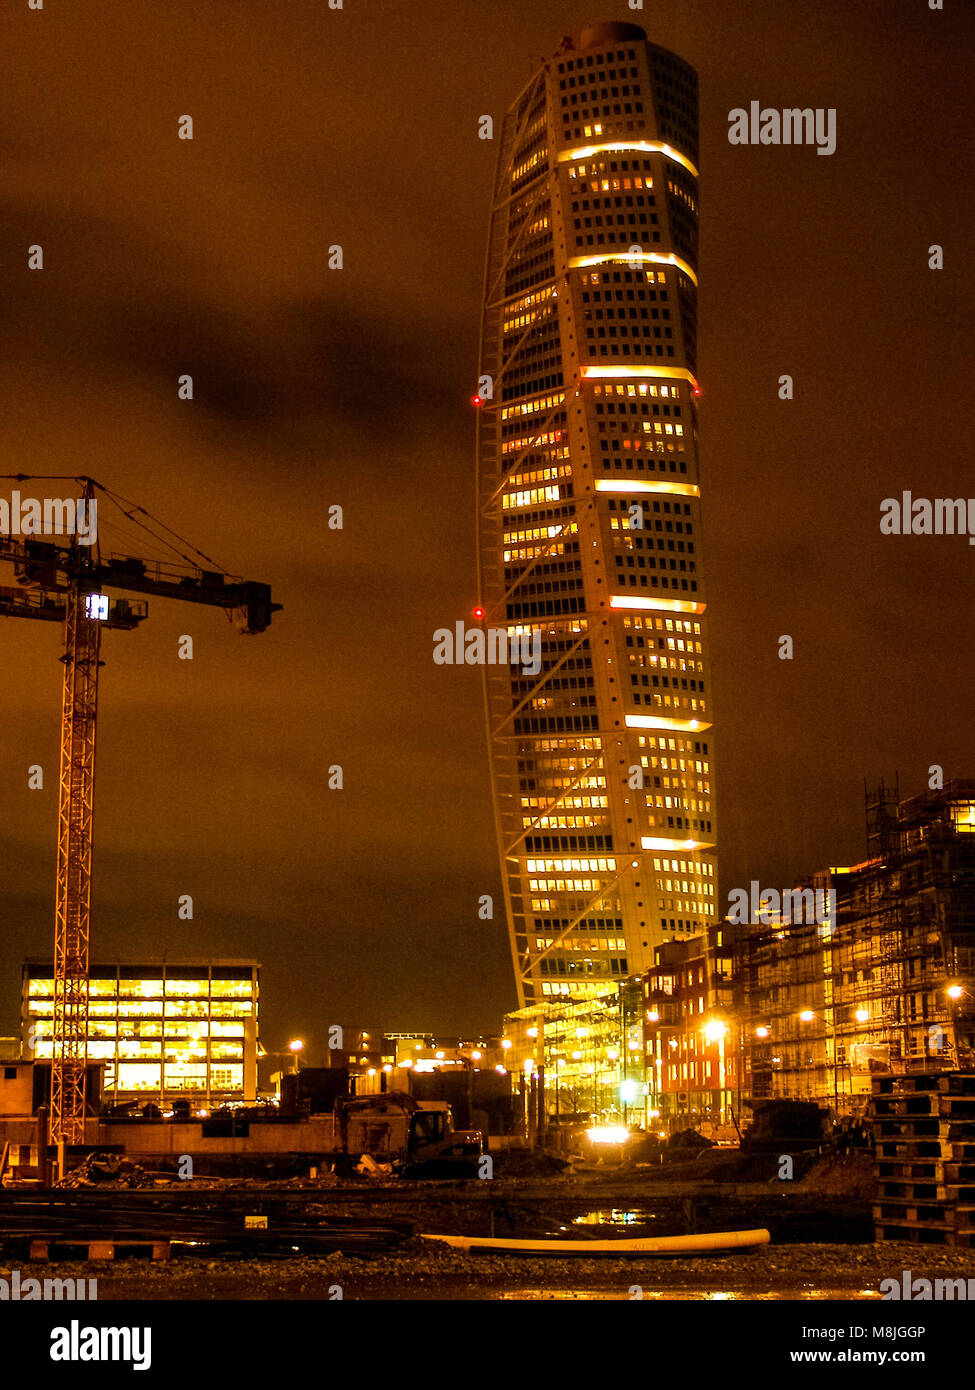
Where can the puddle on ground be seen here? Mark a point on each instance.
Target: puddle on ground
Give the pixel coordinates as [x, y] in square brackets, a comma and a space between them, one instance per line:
[678, 1295]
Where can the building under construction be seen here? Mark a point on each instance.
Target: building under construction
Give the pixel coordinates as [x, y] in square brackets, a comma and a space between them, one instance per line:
[582, 1061]
[885, 981]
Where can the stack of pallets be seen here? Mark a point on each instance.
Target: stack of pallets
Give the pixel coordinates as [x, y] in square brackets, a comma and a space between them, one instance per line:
[924, 1132]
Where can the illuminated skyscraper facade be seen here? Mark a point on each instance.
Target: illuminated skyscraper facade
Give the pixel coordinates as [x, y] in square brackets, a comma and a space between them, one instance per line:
[589, 522]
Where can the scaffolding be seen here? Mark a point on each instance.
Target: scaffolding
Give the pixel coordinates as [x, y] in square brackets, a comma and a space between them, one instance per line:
[883, 983]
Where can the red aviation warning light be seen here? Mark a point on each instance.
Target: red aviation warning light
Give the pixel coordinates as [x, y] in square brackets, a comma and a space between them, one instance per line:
[477, 400]
[479, 612]
[697, 389]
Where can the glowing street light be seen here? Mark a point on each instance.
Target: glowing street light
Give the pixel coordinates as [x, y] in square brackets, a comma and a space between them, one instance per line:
[608, 1134]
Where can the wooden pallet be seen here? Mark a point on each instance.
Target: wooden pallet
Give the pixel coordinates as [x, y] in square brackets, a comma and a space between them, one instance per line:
[957, 1216]
[924, 1130]
[97, 1248]
[957, 1083]
[908, 1211]
[918, 1128]
[919, 1190]
[910, 1169]
[925, 1103]
[924, 1235]
[910, 1150]
[933, 1170]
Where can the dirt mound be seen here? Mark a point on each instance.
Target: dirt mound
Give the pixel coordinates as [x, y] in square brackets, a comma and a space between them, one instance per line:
[522, 1163]
[688, 1141]
[842, 1175]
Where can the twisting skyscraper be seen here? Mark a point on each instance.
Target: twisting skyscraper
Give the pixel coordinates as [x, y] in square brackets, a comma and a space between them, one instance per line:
[589, 528]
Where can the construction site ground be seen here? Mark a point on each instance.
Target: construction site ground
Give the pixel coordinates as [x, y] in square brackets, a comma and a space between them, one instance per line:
[426, 1272]
[822, 1239]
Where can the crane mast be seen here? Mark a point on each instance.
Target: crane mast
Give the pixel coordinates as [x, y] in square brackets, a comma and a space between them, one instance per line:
[66, 584]
[79, 710]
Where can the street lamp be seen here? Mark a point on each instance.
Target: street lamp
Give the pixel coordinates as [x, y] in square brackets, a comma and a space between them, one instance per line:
[294, 1047]
[956, 993]
[715, 1031]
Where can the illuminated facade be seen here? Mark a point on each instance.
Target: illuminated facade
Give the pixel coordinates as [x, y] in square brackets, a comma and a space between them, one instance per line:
[163, 1031]
[693, 1033]
[589, 527]
[887, 983]
[588, 1055]
[803, 1007]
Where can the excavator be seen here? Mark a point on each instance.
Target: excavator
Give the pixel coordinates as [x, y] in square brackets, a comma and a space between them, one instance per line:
[416, 1137]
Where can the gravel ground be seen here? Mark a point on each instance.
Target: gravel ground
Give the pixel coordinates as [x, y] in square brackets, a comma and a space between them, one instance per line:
[423, 1271]
[831, 1204]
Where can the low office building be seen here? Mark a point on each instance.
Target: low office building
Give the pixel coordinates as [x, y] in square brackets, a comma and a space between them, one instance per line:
[164, 1031]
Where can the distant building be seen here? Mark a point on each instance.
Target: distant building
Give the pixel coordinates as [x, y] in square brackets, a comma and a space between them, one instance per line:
[164, 1031]
[469, 1073]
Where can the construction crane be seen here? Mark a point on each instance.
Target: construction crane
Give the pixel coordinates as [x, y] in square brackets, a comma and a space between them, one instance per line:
[66, 582]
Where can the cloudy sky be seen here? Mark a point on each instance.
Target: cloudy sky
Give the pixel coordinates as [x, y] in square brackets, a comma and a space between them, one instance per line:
[316, 387]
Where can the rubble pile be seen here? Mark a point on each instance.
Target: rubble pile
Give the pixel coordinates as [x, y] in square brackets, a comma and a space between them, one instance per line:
[524, 1163]
[100, 1169]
